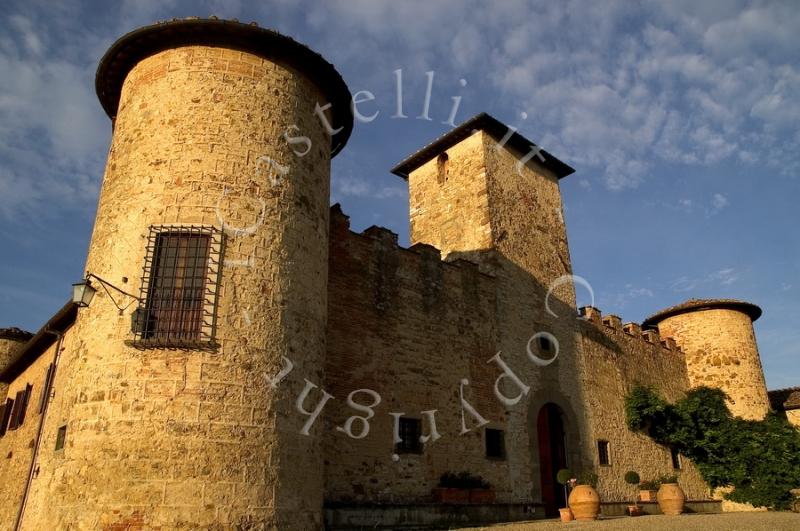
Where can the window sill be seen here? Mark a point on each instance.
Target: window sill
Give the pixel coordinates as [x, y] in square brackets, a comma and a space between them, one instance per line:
[172, 344]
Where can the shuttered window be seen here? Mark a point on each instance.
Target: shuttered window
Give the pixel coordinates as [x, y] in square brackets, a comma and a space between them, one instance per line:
[8, 407]
[48, 380]
[20, 408]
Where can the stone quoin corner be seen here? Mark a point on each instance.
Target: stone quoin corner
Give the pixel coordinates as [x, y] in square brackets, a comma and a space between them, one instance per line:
[237, 358]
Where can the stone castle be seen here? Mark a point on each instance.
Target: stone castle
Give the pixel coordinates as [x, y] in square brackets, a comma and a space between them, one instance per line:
[247, 361]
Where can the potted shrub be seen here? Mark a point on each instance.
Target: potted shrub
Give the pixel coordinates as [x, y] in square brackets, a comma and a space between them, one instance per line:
[564, 477]
[648, 490]
[632, 478]
[584, 500]
[671, 498]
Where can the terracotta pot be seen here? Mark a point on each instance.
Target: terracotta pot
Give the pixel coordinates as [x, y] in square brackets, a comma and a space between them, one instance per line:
[584, 502]
[647, 495]
[481, 496]
[451, 496]
[634, 510]
[671, 499]
[566, 514]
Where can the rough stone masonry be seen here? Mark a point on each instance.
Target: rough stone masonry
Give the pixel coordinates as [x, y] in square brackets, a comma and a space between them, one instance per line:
[157, 405]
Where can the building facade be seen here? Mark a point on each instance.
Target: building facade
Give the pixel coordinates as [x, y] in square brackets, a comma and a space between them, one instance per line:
[250, 362]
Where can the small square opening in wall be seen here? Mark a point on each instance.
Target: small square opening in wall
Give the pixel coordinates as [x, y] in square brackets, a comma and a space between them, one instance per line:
[676, 459]
[603, 453]
[61, 437]
[545, 345]
[410, 432]
[495, 444]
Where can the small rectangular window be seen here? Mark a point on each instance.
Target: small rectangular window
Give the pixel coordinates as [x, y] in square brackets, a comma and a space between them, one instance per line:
[604, 457]
[545, 345]
[676, 459]
[495, 444]
[61, 437]
[179, 287]
[410, 432]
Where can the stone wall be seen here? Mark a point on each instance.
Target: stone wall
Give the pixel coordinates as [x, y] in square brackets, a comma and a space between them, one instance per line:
[396, 322]
[410, 327]
[11, 341]
[619, 357]
[17, 446]
[196, 437]
[721, 351]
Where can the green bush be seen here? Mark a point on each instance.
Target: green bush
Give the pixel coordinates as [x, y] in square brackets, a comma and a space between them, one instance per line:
[651, 484]
[632, 478]
[587, 478]
[564, 475]
[760, 459]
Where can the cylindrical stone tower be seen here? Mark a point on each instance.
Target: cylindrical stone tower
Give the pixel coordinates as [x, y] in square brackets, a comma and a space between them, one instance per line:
[720, 346]
[214, 212]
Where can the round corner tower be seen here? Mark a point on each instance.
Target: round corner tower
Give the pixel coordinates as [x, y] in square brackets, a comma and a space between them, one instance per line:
[213, 212]
[720, 346]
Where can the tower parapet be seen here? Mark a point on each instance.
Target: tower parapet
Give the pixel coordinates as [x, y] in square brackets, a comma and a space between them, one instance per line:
[721, 350]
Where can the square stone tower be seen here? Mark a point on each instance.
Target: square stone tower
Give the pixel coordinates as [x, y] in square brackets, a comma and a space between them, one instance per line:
[484, 193]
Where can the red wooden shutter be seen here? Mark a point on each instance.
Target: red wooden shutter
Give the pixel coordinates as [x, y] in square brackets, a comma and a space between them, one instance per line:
[19, 400]
[48, 380]
[8, 418]
[23, 408]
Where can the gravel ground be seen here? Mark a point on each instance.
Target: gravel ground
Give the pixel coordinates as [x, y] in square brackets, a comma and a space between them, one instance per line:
[757, 521]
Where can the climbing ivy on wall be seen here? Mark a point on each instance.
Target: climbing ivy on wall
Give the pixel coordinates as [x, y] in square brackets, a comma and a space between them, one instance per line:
[760, 459]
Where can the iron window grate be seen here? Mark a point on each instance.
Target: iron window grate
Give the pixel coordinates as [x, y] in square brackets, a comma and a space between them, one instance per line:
[180, 285]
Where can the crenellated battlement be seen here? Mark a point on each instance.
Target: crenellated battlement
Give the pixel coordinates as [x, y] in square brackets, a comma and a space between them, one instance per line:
[397, 274]
[612, 325]
[388, 237]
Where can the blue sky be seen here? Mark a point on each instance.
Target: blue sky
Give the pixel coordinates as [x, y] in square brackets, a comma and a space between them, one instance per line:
[680, 117]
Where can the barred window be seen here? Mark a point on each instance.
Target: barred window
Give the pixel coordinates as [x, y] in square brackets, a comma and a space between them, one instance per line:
[410, 431]
[179, 288]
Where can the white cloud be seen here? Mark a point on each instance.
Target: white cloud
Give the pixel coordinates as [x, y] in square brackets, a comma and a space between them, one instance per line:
[723, 277]
[718, 202]
[351, 186]
[51, 141]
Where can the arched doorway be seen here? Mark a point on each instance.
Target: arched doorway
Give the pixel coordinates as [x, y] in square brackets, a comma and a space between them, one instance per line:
[552, 456]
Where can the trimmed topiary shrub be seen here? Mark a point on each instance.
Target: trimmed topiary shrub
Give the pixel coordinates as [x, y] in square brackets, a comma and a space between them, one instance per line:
[632, 478]
[564, 475]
